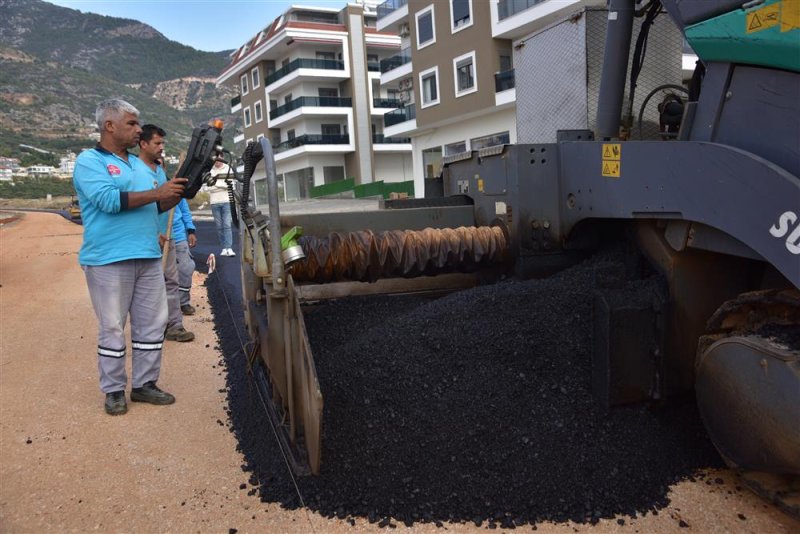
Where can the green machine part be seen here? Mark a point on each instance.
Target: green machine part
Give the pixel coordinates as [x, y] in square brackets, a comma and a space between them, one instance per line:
[289, 239]
[767, 34]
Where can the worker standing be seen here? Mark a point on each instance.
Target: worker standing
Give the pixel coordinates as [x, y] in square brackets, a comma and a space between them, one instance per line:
[151, 148]
[120, 200]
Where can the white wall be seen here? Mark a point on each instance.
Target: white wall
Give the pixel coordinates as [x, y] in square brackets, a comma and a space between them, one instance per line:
[318, 161]
[393, 167]
[500, 121]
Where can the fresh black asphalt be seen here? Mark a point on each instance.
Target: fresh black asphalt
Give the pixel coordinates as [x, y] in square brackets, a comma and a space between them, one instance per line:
[475, 407]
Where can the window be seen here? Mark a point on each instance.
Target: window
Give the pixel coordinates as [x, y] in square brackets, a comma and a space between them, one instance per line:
[460, 14]
[285, 62]
[432, 162]
[259, 137]
[328, 92]
[506, 63]
[326, 56]
[257, 109]
[287, 98]
[429, 86]
[490, 140]
[245, 89]
[290, 135]
[331, 129]
[273, 104]
[332, 174]
[464, 74]
[256, 78]
[455, 148]
[426, 34]
[247, 121]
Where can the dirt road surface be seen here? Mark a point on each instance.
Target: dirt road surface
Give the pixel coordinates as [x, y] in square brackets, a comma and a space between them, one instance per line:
[65, 466]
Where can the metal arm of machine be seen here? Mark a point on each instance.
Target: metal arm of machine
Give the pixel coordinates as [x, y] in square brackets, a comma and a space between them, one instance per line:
[615, 65]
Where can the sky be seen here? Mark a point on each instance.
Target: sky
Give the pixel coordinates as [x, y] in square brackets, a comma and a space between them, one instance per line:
[210, 25]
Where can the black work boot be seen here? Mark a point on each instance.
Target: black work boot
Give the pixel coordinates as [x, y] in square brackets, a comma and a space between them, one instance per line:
[149, 392]
[115, 403]
[179, 333]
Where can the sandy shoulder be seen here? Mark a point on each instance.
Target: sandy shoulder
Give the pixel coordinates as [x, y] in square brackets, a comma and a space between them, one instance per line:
[65, 466]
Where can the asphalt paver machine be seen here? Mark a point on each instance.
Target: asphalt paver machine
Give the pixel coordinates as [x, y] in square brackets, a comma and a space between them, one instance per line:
[713, 204]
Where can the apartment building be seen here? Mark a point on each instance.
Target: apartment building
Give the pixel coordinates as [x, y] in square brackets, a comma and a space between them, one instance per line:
[455, 73]
[455, 80]
[310, 83]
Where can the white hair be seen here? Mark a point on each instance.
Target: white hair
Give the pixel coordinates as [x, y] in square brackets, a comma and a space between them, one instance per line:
[111, 109]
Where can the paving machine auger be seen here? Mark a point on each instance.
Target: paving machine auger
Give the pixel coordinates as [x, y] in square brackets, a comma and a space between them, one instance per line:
[712, 203]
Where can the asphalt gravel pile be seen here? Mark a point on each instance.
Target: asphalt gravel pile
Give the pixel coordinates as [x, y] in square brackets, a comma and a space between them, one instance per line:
[473, 407]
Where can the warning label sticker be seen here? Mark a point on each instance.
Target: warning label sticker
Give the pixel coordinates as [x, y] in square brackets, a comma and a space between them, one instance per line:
[761, 19]
[612, 151]
[790, 16]
[611, 168]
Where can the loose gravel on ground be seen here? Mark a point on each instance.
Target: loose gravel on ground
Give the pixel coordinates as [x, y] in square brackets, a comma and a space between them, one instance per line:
[474, 407]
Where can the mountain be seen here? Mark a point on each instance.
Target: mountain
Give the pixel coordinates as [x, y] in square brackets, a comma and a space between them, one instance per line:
[57, 63]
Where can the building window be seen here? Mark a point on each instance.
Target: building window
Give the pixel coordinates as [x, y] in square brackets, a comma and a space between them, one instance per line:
[287, 99]
[326, 56]
[257, 108]
[332, 174]
[464, 74]
[259, 137]
[328, 92]
[455, 148]
[247, 120]
[432, 162]
[256, 78]
[290, 135]
[245, 88]
[460, 14]
[429, 86]
[426, 32]
[331, 129]
[490, 140]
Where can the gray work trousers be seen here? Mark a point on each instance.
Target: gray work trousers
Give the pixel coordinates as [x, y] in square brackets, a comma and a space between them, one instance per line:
[171, 280]
[185, 270]
[135, 288]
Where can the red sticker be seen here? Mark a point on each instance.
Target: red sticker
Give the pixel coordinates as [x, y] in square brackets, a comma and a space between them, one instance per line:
[113, 170]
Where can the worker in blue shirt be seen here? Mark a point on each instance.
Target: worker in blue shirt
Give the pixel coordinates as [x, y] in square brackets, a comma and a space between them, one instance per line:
[120, 199]
[151, 149]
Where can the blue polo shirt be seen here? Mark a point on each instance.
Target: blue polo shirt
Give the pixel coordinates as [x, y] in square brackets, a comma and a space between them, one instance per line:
[182, 223]
[111, 231]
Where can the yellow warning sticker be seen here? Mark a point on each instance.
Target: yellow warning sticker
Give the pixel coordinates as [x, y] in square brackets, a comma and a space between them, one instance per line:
[611, 168]
[612, 151]
[761, 19]
[480, 185]
[790, 15]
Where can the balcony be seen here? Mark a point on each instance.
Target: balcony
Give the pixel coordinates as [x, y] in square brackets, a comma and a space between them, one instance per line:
[396, 61]
[508, 8]
[400, 115]
[390, 6]
[390, 103]
[315, 101]
[379, 139]
[312, 139]
[503, 81]
[304, 63]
